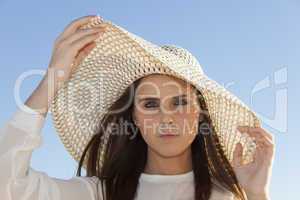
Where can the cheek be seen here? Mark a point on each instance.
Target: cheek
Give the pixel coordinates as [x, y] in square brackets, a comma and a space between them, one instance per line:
[147, 124]
[188, 123]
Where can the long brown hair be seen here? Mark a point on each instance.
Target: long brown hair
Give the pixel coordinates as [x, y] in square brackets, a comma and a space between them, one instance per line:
[125, 156]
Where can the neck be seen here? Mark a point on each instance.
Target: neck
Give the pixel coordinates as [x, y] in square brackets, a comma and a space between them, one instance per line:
[168, 165]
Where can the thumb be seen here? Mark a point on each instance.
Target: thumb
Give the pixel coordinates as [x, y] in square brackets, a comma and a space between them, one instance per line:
[83, 52]
[237, 155]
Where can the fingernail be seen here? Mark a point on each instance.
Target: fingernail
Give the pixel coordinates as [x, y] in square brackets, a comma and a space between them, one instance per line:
[99, 34]
[99, 18]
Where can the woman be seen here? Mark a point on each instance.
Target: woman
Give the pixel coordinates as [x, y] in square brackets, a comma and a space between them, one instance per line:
[157, 140]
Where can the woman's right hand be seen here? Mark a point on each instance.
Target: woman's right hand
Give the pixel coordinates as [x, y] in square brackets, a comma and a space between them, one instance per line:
[71, 46]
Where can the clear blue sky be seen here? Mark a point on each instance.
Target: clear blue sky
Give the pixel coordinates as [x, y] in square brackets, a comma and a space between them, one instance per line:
[252, 47]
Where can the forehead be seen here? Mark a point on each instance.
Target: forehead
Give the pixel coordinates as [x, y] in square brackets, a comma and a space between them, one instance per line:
[161, 85]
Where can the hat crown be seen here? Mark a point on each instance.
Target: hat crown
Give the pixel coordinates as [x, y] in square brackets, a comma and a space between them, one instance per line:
[183, 54]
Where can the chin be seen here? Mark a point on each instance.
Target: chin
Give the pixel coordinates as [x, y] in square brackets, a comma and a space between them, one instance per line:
[169, 152]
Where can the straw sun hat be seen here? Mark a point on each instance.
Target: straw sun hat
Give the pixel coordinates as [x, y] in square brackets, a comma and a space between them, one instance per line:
[118, 59]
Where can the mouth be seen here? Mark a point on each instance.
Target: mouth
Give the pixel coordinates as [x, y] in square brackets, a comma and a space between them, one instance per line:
[167, 133]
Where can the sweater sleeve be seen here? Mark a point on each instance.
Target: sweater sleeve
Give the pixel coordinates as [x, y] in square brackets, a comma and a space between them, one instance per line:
[19, 136]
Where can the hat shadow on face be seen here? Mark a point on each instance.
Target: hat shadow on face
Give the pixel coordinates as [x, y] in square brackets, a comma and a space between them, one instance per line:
[158, 86]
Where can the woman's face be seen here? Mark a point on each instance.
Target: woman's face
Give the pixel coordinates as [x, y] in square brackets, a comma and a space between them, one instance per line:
[166, 105]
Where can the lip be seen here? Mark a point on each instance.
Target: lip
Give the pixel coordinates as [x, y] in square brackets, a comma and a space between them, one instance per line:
[168, 135]
[169, 132]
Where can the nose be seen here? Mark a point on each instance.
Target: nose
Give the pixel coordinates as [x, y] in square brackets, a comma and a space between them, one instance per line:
[167, 125]
[167, 122]
[167, 119]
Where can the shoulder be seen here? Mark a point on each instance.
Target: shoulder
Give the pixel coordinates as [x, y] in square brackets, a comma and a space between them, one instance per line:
[94, 185]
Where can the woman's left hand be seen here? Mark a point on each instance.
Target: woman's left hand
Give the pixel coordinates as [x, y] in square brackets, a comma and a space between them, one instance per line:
[255, 177]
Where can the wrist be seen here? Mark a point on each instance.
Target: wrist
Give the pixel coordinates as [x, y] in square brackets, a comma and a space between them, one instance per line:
[38, 99]
[261, 196]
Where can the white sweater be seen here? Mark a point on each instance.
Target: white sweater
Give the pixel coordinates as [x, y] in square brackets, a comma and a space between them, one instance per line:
[21, 134]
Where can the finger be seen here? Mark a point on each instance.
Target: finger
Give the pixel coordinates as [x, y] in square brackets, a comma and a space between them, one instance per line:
[80, 43]
[257, 155]
[237, 155]
[81, 33]
[84, 52]
[74, 25]
[264, 132]
[256, 132]
[264, 142]
[259, 129]
[258, 137]
[81, 55]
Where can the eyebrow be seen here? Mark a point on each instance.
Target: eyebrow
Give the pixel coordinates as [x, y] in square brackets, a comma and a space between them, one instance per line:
[154, 98]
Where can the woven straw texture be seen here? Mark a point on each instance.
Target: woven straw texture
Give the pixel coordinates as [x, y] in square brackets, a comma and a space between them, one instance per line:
[118, 59]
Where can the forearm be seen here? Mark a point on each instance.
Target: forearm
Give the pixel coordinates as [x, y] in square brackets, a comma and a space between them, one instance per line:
[42, 96]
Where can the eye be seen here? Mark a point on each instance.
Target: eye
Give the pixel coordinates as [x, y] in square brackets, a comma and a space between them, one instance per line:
[181, 102]
[150, 104]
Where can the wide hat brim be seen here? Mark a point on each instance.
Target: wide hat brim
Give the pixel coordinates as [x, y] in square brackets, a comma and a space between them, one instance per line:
[118, 59]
